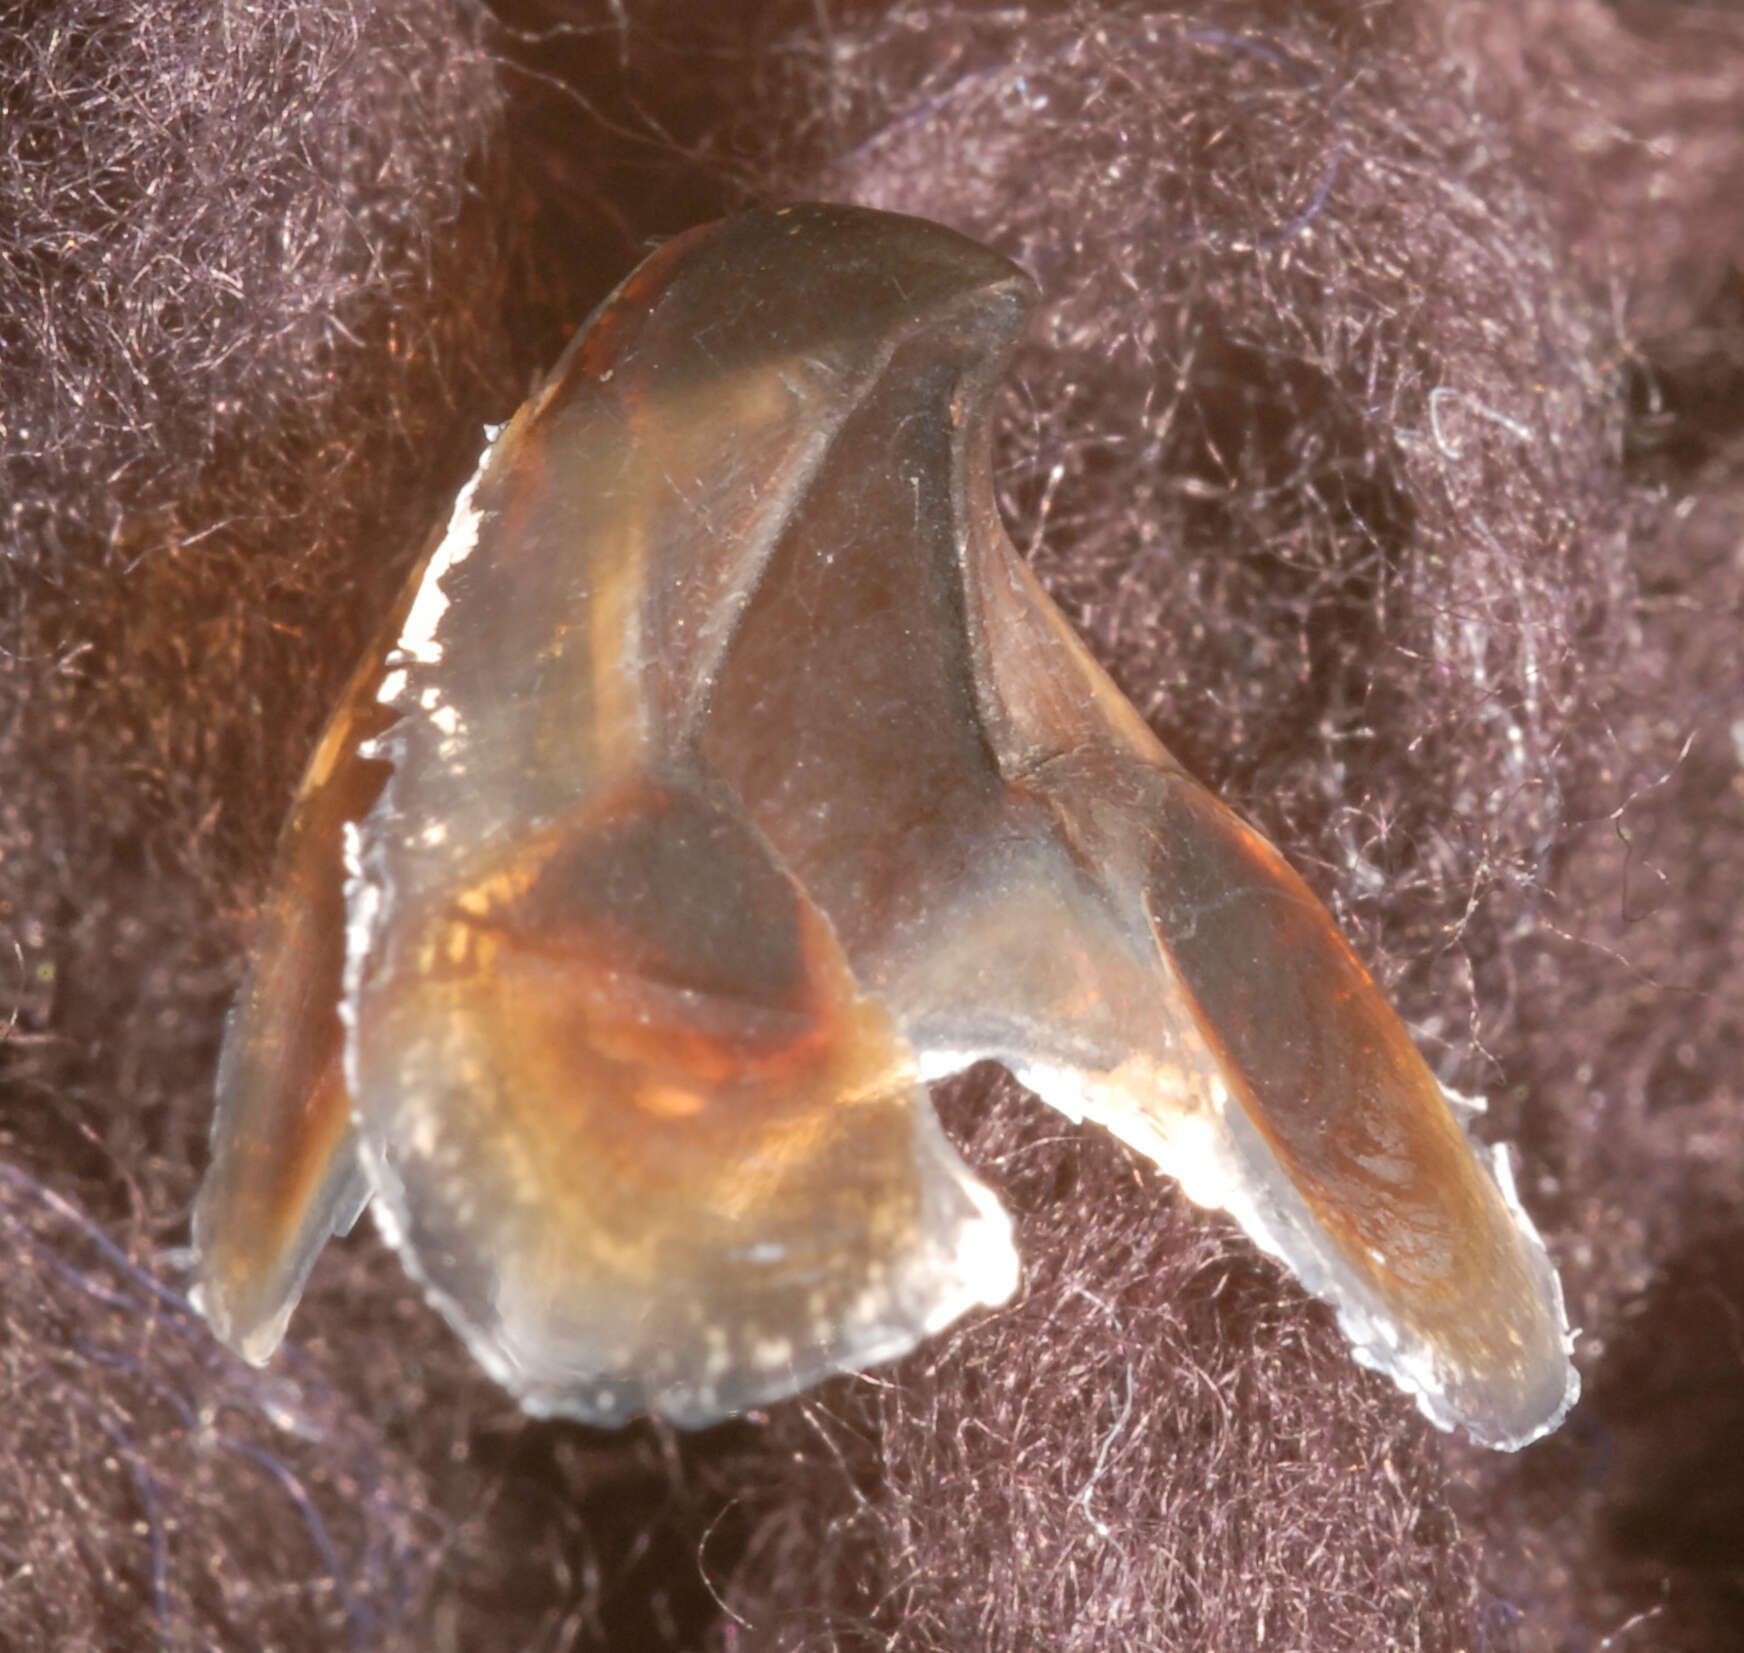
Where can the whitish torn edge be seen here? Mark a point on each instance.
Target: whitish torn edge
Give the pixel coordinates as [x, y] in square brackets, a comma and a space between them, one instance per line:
[1375, 1339]
[1203, 1151]
[417, 641]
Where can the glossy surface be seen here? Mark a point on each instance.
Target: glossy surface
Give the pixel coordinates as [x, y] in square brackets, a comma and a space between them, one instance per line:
[736, 779]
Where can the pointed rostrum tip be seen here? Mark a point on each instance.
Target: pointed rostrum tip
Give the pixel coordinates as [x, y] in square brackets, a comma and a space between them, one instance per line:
[722, 775]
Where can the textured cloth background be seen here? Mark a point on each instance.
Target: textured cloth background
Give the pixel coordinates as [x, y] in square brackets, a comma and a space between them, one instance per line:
[1384, 431]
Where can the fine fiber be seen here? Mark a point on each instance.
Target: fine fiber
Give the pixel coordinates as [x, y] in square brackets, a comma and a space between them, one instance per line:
[1381, 428]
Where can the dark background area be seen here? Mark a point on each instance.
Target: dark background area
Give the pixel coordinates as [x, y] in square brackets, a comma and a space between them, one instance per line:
[1383, 429]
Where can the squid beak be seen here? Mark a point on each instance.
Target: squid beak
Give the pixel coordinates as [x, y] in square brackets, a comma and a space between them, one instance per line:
[723, 776]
